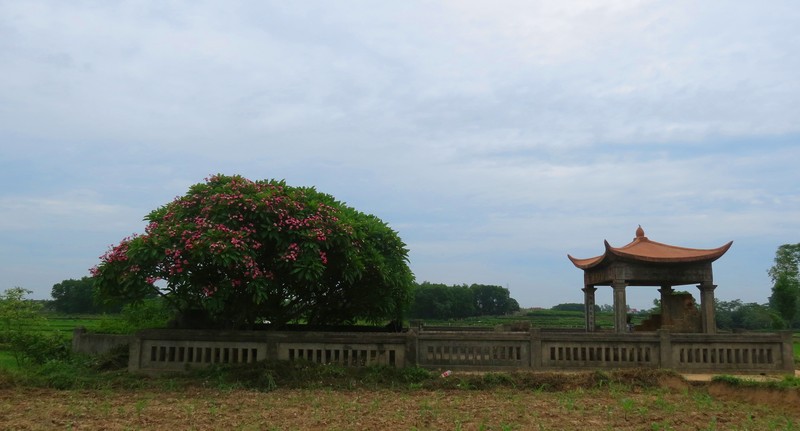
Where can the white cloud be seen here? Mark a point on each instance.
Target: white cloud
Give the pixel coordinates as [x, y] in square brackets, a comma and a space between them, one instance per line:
[76, 210]
[472, 128]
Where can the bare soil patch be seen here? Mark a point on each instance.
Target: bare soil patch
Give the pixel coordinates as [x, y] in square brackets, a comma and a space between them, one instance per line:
[680, 408]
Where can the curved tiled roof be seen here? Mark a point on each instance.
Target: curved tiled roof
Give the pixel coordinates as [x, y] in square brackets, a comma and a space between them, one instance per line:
[644, 250]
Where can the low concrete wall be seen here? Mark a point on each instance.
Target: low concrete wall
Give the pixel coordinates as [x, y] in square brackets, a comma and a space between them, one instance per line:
[96, 344]
[155, 351]
[178, 350]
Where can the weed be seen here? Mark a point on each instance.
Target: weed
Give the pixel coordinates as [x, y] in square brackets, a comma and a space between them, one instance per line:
[627, 406]
[663, 425]
[491, 380]
[568, 401]
[213, 409]
[190, 409]
[600, 379]
[662, 404]
[541, 388]
[414, 374]
[702, 399]
[426, 413]
[465, 383]
[139, 406]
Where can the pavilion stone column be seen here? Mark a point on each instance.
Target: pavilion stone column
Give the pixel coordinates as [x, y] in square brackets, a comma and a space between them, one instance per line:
[620, 307]
[588, 302]
[707, 307]
[666, 314]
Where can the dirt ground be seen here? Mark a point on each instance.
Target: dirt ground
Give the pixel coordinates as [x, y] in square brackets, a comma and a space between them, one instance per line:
[678, 405]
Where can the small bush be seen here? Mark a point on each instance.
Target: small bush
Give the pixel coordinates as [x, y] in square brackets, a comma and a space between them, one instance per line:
[150, 313]
[114, 359]
[414, 374]
[39, 348]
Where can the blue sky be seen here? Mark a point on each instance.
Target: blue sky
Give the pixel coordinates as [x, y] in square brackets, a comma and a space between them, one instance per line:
[495, 137]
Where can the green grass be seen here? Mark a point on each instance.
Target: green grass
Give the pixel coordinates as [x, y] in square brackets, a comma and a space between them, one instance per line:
[83, 372]
[537, 319]
[65, 324]
[788, 382]
[7, 360]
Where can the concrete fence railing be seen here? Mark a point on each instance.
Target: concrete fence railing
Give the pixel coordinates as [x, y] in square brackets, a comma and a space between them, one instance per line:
[164, 350]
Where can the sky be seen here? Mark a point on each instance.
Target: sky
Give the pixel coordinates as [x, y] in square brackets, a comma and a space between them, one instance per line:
[494, 137]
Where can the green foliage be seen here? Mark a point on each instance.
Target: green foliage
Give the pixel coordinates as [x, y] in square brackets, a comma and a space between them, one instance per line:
[492, 300]
[440, 301]
[38, 348]
[20, 318]
[785, 296]
[16, 312]
[573, 306]
[737, 315]
[785, 275]
[270, 375]
[788, 382]
[539, 318]
[150, 313]
[242, 251]
[76, 297]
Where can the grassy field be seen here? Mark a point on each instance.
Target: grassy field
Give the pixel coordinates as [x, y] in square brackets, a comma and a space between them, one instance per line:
[632, 401]
[79, 395]
[537, 318]
[65, 324]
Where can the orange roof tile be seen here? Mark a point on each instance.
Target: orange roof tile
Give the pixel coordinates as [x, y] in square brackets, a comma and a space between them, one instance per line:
[642, 249]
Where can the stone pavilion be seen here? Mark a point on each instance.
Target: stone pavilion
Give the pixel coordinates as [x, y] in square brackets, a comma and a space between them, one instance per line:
[643, 262]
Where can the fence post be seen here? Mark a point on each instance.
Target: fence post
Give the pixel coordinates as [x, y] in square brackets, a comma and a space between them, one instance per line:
[77, 338]
[412, 344]
[787, 351]
[665, 349]
[271, 347]
[134, 354]
[536, 349]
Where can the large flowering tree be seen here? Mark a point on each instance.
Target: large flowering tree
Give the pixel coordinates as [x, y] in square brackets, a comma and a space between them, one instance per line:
[242, 251]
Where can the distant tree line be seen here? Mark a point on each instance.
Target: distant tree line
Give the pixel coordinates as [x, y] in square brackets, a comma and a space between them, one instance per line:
[78, 297]
[730, 315]
[440, 301]
[738, 315]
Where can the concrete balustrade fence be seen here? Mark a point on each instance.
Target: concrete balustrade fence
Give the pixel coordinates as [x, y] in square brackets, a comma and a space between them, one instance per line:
[163, 350]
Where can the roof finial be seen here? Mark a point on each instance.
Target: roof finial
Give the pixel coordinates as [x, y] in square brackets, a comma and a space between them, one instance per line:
[640, 232]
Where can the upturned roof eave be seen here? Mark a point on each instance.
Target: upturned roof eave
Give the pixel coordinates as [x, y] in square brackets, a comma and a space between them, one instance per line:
[710, 255]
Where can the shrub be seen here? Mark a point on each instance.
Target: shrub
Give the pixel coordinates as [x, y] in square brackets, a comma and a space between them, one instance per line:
[39, 348]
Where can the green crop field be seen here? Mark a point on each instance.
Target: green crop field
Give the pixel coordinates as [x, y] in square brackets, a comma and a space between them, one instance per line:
[65, 324]
[537, 318]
